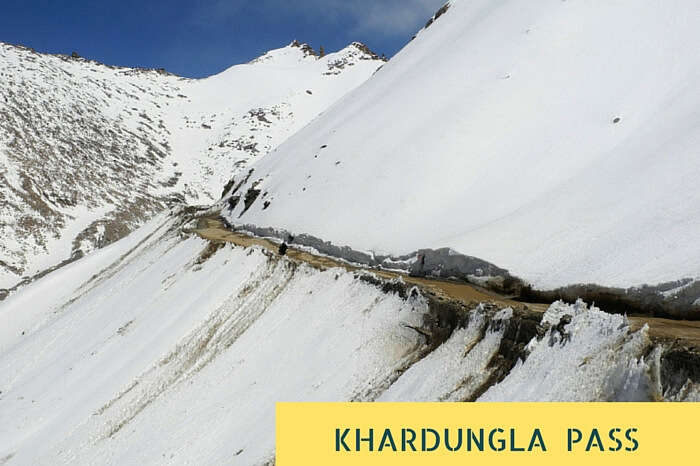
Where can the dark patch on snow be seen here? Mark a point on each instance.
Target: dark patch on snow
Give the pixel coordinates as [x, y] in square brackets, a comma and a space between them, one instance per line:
[680, 364]
[518, 331]
[210, 249]
[645, 300]
[231, 182]
[260, 114]
[233, 202]
[250, 196]
[397, 287]
[368, 53]
[228, 186]
[306, 48]
[443, 9]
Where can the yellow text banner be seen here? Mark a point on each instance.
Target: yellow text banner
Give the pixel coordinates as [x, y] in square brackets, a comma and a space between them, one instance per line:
[485, 433]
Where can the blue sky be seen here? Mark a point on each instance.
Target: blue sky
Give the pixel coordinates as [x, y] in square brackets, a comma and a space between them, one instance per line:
[199, 38]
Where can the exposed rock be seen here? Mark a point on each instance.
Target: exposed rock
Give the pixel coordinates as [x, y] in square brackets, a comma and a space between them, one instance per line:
[228, 186]
[250, 196]
[443, 9]
[306, 48]
[680, 366]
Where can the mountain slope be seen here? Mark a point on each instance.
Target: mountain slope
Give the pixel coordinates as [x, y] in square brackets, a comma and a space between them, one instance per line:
[89, 151]
[555, 139]
[127, 355]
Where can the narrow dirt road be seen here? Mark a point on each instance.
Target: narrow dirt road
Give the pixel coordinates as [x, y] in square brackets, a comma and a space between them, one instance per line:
[212, 229]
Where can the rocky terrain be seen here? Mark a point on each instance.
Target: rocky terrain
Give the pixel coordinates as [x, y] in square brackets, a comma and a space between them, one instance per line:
[88, 151]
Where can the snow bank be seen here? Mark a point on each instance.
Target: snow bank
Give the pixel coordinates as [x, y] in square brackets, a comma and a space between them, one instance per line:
[586, 355]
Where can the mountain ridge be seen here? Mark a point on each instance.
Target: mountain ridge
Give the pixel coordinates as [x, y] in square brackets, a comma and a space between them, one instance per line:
[519, 135]
[89, 151]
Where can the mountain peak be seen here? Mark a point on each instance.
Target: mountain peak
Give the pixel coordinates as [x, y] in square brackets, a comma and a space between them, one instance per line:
[305, 48]
[298, 52]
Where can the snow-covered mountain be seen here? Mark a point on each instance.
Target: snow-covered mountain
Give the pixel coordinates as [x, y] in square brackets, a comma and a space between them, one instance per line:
[558, 140]
[88, 151]
[131, 354]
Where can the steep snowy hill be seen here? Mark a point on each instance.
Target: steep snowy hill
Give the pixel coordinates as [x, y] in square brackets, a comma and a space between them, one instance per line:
[131, 354]
[88, 151]
[556, 139]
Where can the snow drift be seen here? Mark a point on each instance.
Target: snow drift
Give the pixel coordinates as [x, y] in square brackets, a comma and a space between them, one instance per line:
[555, 139]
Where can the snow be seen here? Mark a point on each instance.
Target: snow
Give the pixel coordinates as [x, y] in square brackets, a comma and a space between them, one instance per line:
[276, 83]
[491, 133]
[494, 133]
[89, 151]
[128, 355]
[160, 341]
[22, 311]
[596, 357]
[455, 370]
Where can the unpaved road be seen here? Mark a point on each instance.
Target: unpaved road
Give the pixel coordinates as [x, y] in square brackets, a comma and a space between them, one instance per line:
[686, 332]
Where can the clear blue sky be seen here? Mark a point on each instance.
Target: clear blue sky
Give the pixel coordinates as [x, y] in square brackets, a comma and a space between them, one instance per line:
[199, 38]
